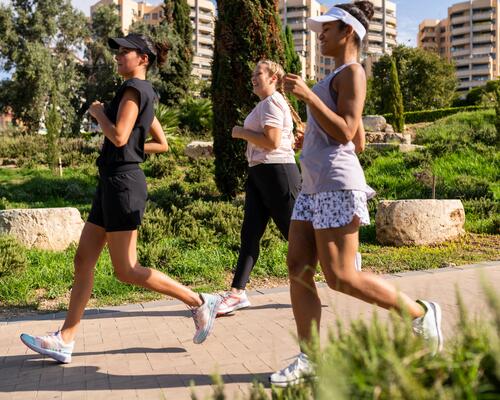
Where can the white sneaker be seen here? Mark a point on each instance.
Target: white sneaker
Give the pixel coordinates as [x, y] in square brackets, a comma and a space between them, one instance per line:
[357, 262]
[50, 345]
[233, 301]
[204, 316]
[294, 373]
[429, 325]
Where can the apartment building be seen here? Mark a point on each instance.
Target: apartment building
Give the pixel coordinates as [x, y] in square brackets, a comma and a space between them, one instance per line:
[202, 15]
[203, 20]
[294, 13]
[469, 37]
[381, 35]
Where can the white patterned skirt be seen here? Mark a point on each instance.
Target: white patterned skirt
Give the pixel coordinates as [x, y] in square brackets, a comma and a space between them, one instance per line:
[331, 209]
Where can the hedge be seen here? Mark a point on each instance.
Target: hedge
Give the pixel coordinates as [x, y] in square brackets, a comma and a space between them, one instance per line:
[412, 117]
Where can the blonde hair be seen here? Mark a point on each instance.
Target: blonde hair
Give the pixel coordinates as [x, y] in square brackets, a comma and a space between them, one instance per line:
[277, 70]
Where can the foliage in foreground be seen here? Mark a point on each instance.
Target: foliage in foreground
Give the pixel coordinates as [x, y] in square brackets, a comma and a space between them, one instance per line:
[375, 360]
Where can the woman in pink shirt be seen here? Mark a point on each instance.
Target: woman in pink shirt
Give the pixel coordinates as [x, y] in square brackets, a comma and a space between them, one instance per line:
[273, 176]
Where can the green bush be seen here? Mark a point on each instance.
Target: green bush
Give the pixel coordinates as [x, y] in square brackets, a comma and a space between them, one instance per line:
[13, 257]
[413, 117]
[168, 118]
[466, 187]
[196, 115]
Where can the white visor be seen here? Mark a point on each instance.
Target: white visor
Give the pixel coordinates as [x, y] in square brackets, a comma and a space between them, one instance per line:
[336, 14]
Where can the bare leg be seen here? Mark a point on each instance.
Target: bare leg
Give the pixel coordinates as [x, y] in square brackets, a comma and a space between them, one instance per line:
[92, 241]
[336, 249]
[301, 261]
[122, 248]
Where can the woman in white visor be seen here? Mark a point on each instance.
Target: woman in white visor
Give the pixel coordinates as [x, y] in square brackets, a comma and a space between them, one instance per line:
[332, 204]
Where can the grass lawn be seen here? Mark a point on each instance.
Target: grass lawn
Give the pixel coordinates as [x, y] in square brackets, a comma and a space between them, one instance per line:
[193, 235]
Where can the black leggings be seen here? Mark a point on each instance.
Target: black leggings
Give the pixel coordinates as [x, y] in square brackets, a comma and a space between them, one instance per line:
[271, 191]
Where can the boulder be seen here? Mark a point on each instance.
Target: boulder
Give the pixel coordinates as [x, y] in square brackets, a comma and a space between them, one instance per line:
[419, 222]
[407, 148]
[374, 123]
[406, 138]
[199, 149]
[374, 137]
[389, 129]
[43, 228]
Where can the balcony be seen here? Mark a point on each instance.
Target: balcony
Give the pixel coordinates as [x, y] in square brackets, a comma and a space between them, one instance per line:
[460, 20]
[461, 73]
[461, 30]
[483, 70]
[483, 50]
[483, 16]
[483, 27]
[295, 14]
[462, 61]
[205, 52]
[461, 41]
[461, 52]
[488, 37]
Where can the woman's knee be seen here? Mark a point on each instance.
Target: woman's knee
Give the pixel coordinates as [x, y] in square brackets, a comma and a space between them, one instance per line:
[126, 273]
[341, 282]
[301, 269]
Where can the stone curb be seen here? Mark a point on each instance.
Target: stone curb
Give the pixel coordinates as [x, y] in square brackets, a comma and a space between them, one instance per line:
[141, 307]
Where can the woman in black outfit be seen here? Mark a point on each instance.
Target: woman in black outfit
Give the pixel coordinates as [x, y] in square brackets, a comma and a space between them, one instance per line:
[120, 200]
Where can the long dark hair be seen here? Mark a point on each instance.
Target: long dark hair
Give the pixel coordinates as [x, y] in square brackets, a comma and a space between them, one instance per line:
[158, 49]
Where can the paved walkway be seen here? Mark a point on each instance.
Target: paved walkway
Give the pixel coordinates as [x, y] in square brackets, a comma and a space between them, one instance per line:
[146, 351]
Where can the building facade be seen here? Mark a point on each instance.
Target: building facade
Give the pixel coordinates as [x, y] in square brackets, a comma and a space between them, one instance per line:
[202, 15]
[469, 38]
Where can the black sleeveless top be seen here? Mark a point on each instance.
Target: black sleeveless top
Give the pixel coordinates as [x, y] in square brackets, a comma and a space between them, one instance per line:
[112, 157]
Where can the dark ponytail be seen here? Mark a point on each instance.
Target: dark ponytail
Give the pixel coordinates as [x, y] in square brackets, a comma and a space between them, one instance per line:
[159, 50]
[361, 10]
[162, 49]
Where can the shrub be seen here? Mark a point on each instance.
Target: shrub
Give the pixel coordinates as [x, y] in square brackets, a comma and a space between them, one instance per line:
[375, 360]
[196, 115]
[413, 117]
[13, 259]
[466, 187]
[168, 118]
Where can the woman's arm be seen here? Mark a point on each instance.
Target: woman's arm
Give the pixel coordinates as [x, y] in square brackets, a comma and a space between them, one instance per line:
[158, 142]
[128, 111]
[270, 139]
[343, 124]
[359, 139]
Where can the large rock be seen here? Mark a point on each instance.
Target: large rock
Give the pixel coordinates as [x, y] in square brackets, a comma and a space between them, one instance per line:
[374, 123]
[419, 222]
[43, 228]
[197, 149]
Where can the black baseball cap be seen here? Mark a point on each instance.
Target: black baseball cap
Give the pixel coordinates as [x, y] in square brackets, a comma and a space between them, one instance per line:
[133, 41]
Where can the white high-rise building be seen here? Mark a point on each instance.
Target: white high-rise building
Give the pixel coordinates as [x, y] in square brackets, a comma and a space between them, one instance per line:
[470, 38]
[202, 17]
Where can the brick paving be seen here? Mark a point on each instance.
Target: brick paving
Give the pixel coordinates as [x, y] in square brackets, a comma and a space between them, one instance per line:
[145, 350]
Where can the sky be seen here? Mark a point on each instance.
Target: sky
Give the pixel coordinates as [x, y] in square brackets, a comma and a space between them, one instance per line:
[409, 14]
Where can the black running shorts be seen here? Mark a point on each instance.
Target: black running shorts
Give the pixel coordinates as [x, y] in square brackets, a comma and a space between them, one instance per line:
[119, 201]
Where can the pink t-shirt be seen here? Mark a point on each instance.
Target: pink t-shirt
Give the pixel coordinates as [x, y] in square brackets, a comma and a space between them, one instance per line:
[272, 111]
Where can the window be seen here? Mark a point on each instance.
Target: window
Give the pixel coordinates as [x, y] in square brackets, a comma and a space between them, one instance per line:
[147, 17]
[327, 71]
[155, 15]
[328, 61]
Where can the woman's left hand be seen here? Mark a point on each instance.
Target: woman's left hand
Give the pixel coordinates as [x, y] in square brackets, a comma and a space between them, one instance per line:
[295, 85]
[96, 108]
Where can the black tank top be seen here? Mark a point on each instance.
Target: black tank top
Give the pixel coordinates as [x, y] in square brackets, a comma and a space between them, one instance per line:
[112, 157]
